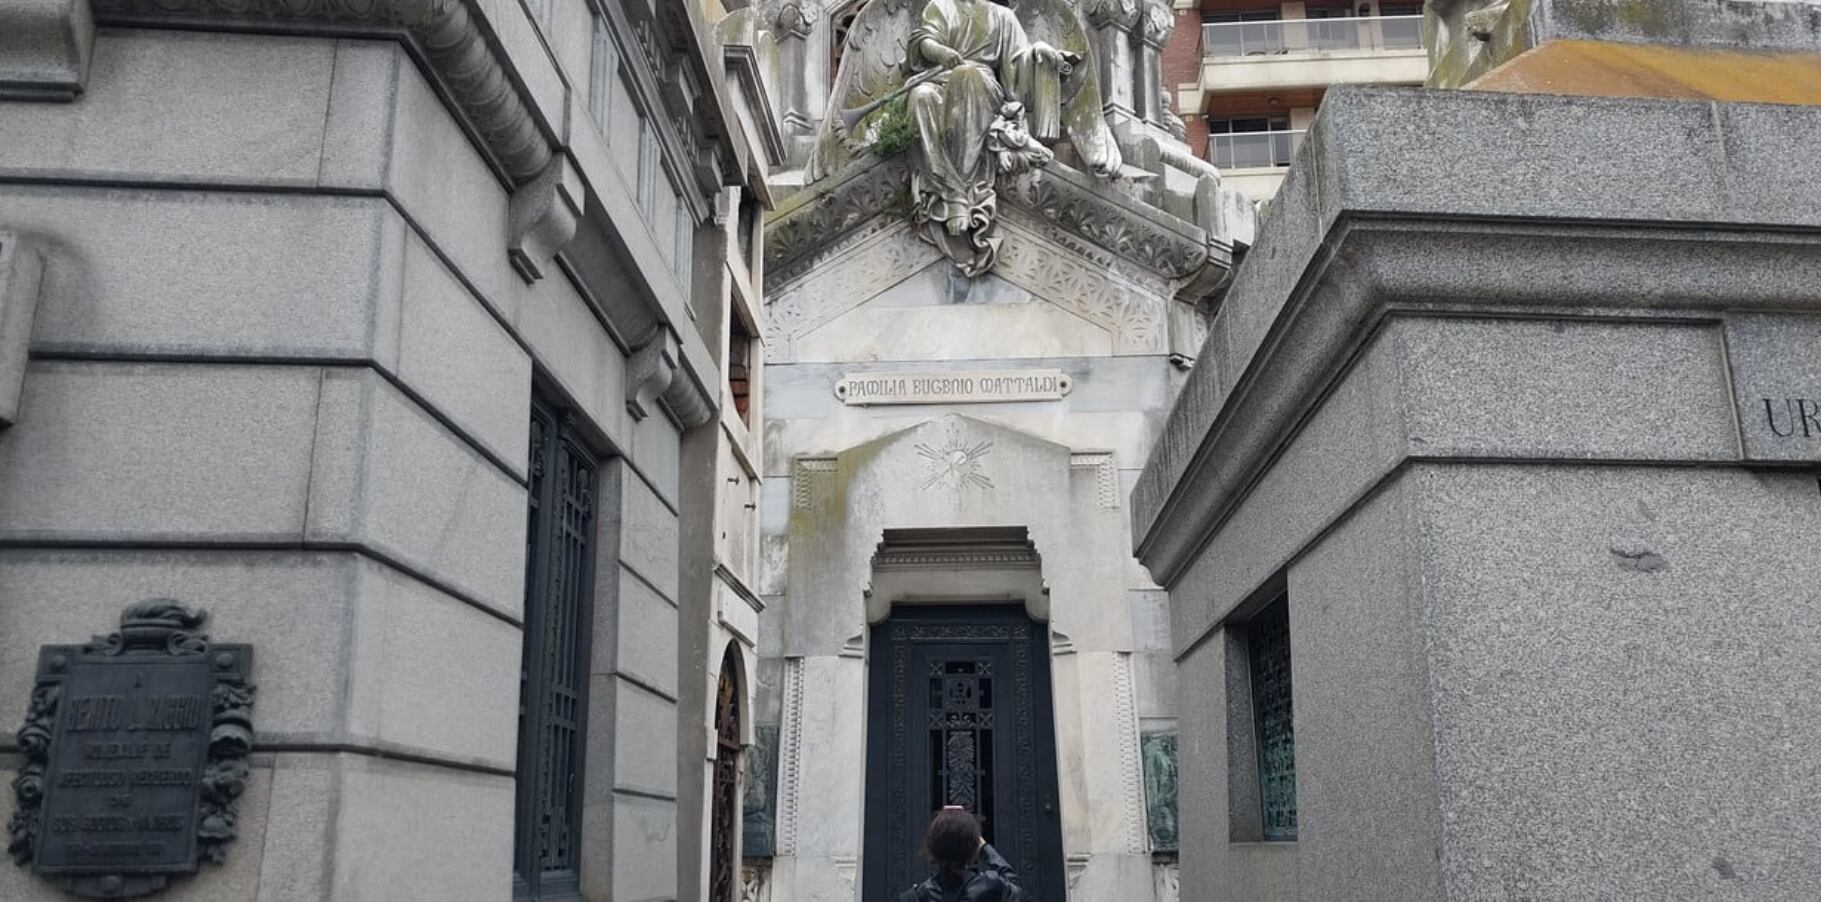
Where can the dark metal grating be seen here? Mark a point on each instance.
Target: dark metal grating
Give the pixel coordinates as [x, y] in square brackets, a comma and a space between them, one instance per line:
[1268, 641]
[559, 556]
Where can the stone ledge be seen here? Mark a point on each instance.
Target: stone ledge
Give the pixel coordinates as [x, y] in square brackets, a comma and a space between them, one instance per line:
[1368, 218]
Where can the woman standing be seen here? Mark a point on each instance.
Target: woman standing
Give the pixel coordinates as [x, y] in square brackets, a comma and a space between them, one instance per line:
[967, 868]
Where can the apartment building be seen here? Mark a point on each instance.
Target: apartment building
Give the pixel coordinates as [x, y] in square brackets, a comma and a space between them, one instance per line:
[1248, 75]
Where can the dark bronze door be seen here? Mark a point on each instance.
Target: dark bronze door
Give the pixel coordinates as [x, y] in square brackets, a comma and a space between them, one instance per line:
[959, 714]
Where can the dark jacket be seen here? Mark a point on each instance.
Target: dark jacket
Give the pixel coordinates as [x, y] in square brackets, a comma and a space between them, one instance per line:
[990, 880]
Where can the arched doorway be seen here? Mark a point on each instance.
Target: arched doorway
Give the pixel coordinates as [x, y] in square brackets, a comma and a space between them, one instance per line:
[724, 862]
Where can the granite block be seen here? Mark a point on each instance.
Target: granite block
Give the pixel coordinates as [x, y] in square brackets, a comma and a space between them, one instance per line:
[1776, 379]
[298, 858]
[1201, 787]
[576, 354]
[1520, 389]
[643, 643]
[454, 353]
[189, 273]
[442, 184]
[648, 534]
[46, 50]
[198, 107]
[1354, 438]
[409, 830]
[162, 452]
[387, 476]
[357, 131]
[644, 758]
[644, 864]
[1643, 637]
[441, 676]
[1368, 824]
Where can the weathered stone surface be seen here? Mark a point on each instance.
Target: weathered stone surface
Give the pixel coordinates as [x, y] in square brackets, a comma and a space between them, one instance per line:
[112, 452]
[45, 49]
[243, 109]
[388, 476]
[648, 535]
[1660, 161]
[132, 273]
[1619, 643]
[643, 643]
[1365, 780]
[380, 840]
[461, 359]
[21, 269]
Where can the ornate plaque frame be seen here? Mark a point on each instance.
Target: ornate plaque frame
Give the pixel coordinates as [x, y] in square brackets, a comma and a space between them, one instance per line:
[96, 713]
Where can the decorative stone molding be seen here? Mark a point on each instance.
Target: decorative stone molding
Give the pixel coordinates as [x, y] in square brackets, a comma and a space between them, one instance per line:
[45, 46]
[808, 472]
[1151, 238]
[654, 375]
[1131, 767]
[881, 255]
[20, 271]
[542, 217]
[790, 756]
[829, 210]
[1106, 479]
[444, 31]
[1087, 282]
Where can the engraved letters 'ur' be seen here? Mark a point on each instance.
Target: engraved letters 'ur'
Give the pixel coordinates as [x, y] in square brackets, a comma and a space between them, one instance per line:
[135, 748]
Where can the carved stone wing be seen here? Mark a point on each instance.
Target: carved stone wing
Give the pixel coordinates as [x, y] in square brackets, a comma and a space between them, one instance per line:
[1059, 24]
[872, 65]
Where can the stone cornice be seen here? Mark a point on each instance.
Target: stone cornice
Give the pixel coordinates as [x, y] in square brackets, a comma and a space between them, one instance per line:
[1233, 419]
[1484, 240]
[449, 37]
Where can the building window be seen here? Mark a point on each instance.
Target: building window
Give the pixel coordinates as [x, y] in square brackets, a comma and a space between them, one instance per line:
[605, 66]
[1268, 654]
[1252, 142]
[553, 672]
[840, 22]
[739, 369]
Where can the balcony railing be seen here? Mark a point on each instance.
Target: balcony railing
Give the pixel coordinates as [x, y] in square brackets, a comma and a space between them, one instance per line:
[1227, 40]
[1254, 150]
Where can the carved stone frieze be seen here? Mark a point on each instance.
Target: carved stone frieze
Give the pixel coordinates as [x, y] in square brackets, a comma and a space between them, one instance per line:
[815, 224]
[1087, 283]
[877, 257]
[1176, 250]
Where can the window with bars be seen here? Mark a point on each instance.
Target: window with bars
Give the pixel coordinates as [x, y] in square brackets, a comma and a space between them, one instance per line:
[1268, 652]
[553, 674]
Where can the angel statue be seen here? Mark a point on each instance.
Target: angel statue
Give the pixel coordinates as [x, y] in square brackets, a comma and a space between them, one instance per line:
[983, 99]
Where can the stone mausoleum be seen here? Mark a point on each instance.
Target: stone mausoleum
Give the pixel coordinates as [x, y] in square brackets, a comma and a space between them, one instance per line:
[638, 450]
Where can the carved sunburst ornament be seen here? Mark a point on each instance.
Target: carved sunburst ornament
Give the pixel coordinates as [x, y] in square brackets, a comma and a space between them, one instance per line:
[955, 464]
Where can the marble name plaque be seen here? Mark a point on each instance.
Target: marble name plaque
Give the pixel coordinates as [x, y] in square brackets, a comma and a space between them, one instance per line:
[966, 387]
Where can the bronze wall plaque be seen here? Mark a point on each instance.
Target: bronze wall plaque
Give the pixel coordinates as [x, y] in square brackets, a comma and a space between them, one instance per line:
[135, 749]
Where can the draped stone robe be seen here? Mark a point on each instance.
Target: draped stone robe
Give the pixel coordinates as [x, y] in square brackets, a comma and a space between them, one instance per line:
[954, 114]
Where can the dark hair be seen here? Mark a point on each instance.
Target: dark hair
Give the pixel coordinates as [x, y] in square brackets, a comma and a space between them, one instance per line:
[952, 842]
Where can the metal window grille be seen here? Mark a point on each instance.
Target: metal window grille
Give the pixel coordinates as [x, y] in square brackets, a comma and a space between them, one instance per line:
[1268, 647]
[559, 539]
[961, 725]
[725, 824]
